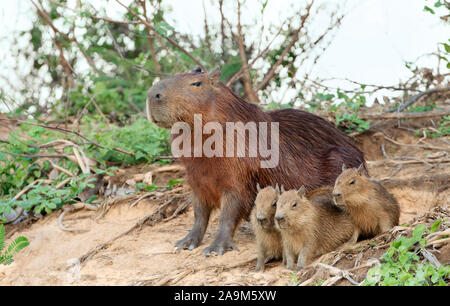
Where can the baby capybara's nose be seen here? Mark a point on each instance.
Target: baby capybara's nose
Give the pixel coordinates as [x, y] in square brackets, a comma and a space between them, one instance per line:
[336, 195]
[261, 220]
[279, 218]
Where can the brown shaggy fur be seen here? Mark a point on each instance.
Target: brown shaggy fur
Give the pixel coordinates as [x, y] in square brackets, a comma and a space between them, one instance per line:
[268, 238]
[309, 228]
[372, 208]
[311, 151]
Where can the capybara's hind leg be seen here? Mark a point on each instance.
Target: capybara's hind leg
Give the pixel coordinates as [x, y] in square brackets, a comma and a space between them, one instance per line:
[201, 218]
[230, 215]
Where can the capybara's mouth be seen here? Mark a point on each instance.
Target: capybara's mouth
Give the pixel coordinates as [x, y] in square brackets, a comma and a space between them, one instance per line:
[281, 225]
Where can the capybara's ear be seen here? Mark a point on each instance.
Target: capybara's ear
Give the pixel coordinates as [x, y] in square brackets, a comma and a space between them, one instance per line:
[361, 170]
[197, 69]
[277, 189]
[282, 188]
[258, 188]
[344, 167]
[214, 77]
[301, 191]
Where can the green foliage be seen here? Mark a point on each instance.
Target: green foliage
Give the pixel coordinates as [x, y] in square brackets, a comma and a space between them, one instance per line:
[442, 129]
[401, 265]
[345, 106]
[352, 122]
[46, 198]
[443, 6]
[16, 246]
[153, 187]
[143, 138]
[20, 164]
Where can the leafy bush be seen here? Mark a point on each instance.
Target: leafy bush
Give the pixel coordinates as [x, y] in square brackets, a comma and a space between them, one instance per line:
[401, 264]
[21, 164]
[48, 198]
[142, 138]
[16, 246]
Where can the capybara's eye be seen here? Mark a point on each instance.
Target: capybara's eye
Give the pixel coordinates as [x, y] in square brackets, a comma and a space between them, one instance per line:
[352, 182]
[295, 204]
[274, 203]
[196, 84]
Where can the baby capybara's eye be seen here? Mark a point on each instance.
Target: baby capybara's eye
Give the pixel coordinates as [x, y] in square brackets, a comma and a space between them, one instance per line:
[351, 182]
[295, 204]
[196, 84]
[274, 203]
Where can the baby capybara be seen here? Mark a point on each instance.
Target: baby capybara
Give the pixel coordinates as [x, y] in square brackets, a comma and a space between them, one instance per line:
[268, 238]
[372, 208]
[311, 150]
[308, 227]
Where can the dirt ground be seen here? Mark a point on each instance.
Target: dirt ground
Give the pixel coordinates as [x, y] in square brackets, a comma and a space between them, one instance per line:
[145, 255]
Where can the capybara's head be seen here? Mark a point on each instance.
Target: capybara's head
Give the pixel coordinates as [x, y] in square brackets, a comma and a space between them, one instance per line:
[265, 206]
[179, 97]
[350, 187]
[293, 209]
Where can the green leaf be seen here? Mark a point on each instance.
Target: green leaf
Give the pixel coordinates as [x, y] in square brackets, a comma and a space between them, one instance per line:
[435, 226]
[428, 9]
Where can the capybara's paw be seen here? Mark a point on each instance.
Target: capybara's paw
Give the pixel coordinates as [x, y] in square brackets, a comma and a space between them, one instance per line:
[190, 242]
[259, 267]
[220, 247]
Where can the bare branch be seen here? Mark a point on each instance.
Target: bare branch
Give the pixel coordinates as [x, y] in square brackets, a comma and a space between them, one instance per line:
[294, 38]
[248, 86]
[143, 21]
[416, 97]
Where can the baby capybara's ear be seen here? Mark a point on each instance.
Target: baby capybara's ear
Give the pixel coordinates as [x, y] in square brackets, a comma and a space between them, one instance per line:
[282, 188]
[361, 170]
[258, 188]
[214, 77]
[301, 192]
[344, 167]
[277, 189]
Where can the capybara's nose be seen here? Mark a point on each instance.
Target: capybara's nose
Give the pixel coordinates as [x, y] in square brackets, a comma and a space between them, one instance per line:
[261, 220]
[279, 218]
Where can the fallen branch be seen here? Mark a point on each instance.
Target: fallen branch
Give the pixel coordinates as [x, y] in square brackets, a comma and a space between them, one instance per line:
[436, 180]
[416, 97]
[414, 115]
[425, 146]
[402, 160]
[71, 132]
[28, 187]
[73, 207]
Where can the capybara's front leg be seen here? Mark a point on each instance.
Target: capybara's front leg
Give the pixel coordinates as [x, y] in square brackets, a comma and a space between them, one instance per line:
[290, 259]
[261, 259]
[355, 236]
[230, 215]
[201, 218]
[302, 258]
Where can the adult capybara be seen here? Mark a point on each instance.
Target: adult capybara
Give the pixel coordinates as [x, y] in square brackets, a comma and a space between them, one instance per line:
[372, 208]
[311, 150]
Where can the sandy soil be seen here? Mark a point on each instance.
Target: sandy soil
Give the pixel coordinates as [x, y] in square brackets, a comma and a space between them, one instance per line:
[145, 256]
